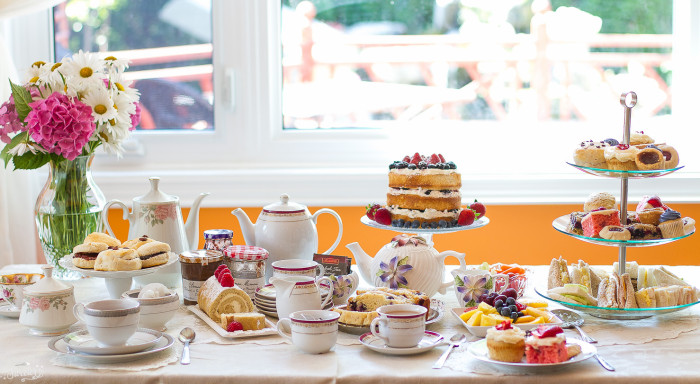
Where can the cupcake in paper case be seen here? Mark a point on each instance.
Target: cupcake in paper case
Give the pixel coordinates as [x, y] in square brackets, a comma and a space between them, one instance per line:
[670, 224]
[506, 342]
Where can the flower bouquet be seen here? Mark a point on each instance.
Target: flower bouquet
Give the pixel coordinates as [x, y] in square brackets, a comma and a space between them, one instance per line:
[60, 116]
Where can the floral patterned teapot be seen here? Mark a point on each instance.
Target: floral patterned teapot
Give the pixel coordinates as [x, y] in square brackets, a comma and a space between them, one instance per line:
[406, 262]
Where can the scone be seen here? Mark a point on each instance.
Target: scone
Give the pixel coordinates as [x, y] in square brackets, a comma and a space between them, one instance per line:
[649, 159]
[670, 156]
[153, 253]
[621, 157]
[600, 200]
[99, 237]
[650, 216]
[670, 224]
[84, 255]
[121, 259]
[137, 243]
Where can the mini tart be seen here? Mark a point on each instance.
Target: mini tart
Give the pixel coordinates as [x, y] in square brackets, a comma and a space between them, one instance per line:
[650, 216]
[507, 345]
[670, 156]
[649, 159]
[638, 138]
[621, 159]
[600, 200]
[590, 154]
[688, 225]
[615, 232]
[671, 228]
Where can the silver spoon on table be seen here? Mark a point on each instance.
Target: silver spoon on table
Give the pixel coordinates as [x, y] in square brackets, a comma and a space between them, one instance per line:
[455, 341]
[572, 319]
[186, 336]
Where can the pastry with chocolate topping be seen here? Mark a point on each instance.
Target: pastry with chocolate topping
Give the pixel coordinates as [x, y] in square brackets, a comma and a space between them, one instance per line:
[153, 253]
[84, 255]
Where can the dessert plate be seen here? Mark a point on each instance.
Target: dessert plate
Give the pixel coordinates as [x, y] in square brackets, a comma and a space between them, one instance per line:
[270, 328]
[561, 224]
[437, 311]
[269, 313]
[82, 342]
[617, 313]
[480, 331]
[479, 351]
[629, 174]
[477, 224]
[8, 311]
[429, 341]
[59, 345]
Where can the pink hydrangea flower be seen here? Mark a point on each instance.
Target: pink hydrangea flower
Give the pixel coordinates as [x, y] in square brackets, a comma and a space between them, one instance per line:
[136, 117]
[61, 125]
[9, 121]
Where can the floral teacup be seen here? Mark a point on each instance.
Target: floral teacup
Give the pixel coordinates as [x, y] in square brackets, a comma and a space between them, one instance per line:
[13, 286]
[472, 283]
[343, 287]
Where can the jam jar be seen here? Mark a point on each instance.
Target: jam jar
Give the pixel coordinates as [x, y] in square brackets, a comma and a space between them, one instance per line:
[247, 265]
[217, 239]
[197, 266]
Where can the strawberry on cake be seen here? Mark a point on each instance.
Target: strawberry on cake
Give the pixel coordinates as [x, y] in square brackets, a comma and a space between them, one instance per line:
[597, 219]
[546, 345]
[424, 192]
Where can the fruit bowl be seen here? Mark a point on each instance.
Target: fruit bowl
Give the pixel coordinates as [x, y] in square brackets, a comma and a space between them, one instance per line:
[480, 331]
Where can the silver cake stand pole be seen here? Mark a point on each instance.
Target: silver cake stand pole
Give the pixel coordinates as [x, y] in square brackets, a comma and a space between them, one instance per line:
[628, 101]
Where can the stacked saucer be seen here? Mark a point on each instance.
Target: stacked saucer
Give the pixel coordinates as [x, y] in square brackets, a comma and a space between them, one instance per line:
[266, 296]
[82, 345]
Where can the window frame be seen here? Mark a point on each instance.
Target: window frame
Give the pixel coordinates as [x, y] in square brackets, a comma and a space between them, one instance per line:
[249, 160]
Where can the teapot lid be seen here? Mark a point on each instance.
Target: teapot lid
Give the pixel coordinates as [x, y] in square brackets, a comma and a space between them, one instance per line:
[284, 206]
[48, 284]
[155, 195]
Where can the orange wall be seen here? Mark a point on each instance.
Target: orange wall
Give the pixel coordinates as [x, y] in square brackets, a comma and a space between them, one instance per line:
[517, 234]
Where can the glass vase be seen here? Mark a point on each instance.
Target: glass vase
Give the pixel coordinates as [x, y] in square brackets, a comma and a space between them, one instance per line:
[68, 208]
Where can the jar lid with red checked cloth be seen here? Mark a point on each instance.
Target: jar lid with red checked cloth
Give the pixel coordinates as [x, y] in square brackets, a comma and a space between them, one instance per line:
[246, 252]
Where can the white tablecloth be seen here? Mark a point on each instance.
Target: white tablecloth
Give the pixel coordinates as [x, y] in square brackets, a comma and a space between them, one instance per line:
[663, 349]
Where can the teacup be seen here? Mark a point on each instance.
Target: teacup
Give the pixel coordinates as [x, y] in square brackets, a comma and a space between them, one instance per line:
[110, 322]
[312, 331]
[13, 287]
[297, 267]
[399, 325]
[470, 284]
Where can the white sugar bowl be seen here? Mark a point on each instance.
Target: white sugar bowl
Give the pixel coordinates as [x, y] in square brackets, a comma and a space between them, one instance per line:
[47, 307]
[155, 311]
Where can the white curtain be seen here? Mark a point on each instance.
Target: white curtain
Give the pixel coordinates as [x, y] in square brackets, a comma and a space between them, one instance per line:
[18, 189]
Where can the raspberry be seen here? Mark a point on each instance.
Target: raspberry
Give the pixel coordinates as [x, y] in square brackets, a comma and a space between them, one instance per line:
[382, 216]
[372, 209]
[505, 325]
[416, 159]
[442, 158]
[546, 331]
[226, 280]
[407, 159]
[434, 159]
[234, 326]
[478, 208]
[466, 217]
[220, 269]
[655, 201]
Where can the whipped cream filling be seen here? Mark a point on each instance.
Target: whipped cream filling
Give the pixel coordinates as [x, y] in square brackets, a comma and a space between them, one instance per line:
[510, 336]
[545, 342]
[621, 154]
[430, 171]
[416, 214]
[423, 192]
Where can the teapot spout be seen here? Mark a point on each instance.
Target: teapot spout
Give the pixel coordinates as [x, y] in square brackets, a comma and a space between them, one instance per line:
[192, 224]
[247, 226]
[363, 261]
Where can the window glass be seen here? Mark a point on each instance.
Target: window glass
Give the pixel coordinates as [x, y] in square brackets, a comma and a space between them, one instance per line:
[372, 63]
[168, 43]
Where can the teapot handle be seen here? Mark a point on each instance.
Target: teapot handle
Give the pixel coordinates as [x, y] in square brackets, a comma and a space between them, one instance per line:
[340, 226]
[462, 266]
[105, 214]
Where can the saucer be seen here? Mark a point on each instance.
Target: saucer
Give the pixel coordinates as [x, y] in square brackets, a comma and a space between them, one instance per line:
[7, 311]
[269, 293]
[268, 313]
[429, 341]
[82, 342]
[57, 344]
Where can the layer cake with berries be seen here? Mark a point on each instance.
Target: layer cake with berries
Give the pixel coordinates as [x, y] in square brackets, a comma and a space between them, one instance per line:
[425, 189]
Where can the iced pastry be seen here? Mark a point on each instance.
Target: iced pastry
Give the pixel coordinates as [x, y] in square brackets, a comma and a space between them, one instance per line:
[506, 342]
[621, 157]
[595, 220]
[546, 345]
[670, 224]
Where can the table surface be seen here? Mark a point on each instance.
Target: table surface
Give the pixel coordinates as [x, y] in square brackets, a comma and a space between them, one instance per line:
[270, 360]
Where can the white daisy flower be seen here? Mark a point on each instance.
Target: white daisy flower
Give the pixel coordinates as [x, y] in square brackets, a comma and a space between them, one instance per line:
[124, 85]
[124, 105]
[110, 142]
[52, 77]
[114, 64]
[83, 71]
[35, 72]
[102, 105]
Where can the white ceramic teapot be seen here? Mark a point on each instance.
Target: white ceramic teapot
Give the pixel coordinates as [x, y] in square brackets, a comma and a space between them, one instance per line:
[47, 306]
[297, 293]
[406, 262]
[158, 215]
[286, 229]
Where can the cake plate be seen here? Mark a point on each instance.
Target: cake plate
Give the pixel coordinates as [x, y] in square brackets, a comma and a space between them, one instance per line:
[628, 174]
[117, 282]
[426, 233]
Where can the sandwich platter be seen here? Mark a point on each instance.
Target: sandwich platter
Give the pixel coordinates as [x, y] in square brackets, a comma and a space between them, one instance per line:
[617, 313]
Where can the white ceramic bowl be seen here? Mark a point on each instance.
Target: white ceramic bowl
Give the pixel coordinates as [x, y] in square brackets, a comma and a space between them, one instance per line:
[155, 312]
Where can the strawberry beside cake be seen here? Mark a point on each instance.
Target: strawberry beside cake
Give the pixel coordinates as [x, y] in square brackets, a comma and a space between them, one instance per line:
[546, 345]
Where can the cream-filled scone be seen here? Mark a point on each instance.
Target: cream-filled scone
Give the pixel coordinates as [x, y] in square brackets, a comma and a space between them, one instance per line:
[121, 259]
[670, 224]
[84, 255]
[153, 253]
[99, 237]
[599, 200]
[137, 243]
[639, 138]
[621, 157]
